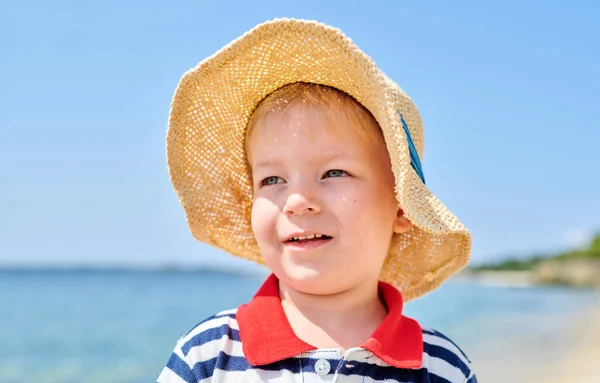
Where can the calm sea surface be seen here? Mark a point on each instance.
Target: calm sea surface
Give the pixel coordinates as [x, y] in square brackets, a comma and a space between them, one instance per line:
[120, 326]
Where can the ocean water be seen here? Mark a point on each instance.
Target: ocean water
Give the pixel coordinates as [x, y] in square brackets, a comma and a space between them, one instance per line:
[120, 326]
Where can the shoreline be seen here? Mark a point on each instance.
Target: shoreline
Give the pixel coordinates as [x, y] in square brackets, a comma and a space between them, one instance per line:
[575, 275]
[497, 278]
[574, 271]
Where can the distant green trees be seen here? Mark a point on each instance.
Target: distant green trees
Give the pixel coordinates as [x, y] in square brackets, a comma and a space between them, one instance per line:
[592, 252]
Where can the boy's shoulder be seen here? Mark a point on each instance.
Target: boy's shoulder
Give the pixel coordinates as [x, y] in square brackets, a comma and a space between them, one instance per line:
[444, 357]
[194, 357]
[220, 326]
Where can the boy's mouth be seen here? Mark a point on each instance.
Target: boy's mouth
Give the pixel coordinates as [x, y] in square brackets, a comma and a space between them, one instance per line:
[301, 239]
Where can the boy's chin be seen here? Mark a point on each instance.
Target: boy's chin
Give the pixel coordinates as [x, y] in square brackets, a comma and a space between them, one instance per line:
[310, 281]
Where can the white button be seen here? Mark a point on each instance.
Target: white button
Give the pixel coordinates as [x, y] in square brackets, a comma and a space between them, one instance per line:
[322, 367]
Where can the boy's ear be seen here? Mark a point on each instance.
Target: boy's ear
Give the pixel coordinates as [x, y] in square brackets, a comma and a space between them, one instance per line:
[401, 223]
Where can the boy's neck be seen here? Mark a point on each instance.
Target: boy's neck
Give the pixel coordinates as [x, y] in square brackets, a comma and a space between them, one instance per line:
[342, 320]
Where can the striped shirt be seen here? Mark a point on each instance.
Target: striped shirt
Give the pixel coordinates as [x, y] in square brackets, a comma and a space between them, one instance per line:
[255, 343]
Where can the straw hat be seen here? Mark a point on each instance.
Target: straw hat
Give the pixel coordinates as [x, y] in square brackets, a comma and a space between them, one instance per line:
[206, 157]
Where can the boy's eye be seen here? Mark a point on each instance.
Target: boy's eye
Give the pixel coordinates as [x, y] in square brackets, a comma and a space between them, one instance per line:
[270, 181]
[335, 173]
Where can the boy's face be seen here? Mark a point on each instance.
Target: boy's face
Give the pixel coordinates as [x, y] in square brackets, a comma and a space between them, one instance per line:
[313, 179]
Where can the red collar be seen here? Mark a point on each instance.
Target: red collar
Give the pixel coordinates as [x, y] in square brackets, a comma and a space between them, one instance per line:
[267, 336]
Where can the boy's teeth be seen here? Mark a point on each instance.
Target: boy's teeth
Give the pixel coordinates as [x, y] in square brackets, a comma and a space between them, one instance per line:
[310, 236]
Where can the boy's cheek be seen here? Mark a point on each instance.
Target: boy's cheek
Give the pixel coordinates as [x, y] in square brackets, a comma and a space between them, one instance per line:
[263, 218]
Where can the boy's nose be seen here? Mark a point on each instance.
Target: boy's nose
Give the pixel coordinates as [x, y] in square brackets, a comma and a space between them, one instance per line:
[299, 204]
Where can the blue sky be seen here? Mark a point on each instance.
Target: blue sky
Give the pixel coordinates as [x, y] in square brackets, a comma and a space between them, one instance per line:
[508, 91]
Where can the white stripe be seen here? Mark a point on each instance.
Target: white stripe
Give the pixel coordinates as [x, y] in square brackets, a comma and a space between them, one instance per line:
[227, 312]
[442, 369]
[367, 379]
[212, 349]
[361, 355]
[258, 375]
[437, 341]
[168, 376]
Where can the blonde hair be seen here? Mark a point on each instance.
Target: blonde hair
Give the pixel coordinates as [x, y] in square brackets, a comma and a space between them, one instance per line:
[328, 101]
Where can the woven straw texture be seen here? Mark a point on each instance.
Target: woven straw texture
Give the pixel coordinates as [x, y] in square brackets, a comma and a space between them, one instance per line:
[206, 157]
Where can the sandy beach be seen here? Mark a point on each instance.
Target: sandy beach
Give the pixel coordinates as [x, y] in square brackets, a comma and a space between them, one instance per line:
[582, 364]
[570, 353]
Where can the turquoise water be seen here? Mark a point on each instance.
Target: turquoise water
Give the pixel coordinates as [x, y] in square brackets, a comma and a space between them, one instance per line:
[120, 326]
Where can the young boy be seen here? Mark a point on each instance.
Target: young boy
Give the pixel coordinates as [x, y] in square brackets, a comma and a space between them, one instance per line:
[290, 147]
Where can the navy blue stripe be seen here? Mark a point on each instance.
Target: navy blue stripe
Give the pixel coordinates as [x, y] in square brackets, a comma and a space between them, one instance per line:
[447, 355]
[384, 373]
[203, 370]
[294, 365]
[181, 368]
[232, 316]
[472, 380]
[210, 335]
[227, 362]
[440, 335]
